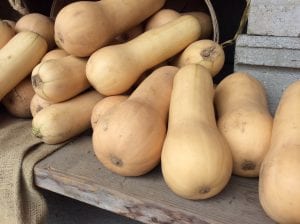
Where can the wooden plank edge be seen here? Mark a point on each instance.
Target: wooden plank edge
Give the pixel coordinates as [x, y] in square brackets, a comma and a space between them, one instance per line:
[143, 210]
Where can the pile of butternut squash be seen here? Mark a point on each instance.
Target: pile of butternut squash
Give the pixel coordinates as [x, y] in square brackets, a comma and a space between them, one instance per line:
[141, 76]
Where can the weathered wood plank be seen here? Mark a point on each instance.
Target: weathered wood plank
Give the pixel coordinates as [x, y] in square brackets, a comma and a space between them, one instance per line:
[75, 172]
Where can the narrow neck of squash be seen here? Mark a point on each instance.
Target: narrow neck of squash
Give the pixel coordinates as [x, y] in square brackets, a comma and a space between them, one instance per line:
[155, 90]
[163, 42]
[192, 97]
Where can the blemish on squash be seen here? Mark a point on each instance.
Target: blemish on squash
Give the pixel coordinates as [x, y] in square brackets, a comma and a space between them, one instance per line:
[11, 100]
[60, 37]
[243, 125]
[248, 165]
[36, 132]
[204, 190]
[116, 161]
[78, 13]
[154, 220]
[39, 108]
[207, 53]
[104, 125]
[36, 81]
[18, 95]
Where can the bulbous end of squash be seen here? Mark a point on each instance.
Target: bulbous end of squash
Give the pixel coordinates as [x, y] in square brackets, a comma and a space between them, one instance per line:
[77, 30]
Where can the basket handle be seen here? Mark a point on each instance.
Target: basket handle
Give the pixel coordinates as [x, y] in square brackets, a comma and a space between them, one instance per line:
[18, 6]
[242, 25]
[216, 35]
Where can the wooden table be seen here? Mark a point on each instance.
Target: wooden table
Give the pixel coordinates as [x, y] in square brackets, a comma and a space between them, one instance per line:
[75, 172]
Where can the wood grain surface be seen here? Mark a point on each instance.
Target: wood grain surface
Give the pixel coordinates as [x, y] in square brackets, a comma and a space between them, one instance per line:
[75, 172]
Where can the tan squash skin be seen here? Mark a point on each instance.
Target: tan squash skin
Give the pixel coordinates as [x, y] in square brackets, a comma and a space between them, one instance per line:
[196, 160]
[114, 69]
[59, 122]
[18, 57]
[104, 105]
[37, 104]
[60, 79]
[17, 101]
[279, 182]
[7, 32]
[245, 121]
[204, 52]
[128, 138]
[83, 27]
[164, 16]
[54, 54]
[205, 21]
[38, 23]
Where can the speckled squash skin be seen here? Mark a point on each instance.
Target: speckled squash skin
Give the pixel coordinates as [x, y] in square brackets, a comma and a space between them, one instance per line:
[128, 138]
[196, 160]
[244, 120]
[279, 181]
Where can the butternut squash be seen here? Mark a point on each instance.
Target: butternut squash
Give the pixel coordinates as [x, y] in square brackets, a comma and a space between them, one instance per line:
[37, 103]
[164, 16]
[128, 138]
[7, 32]
[196, 160]
[62, 121]
[85, 26]
[17, 101]
[245, 121]
[279, 181]
[18, 57]
[38, 23]
[104, 105]
[60, 79]
[114, 69]
[204, 52]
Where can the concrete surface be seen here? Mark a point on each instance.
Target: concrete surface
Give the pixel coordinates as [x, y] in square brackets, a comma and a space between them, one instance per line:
[274, 18]
[63, 210]
[275, 61]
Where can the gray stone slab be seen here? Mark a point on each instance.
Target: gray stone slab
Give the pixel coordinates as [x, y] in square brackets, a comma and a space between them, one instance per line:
[275, 61]
[274, 18]
[268, 51]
